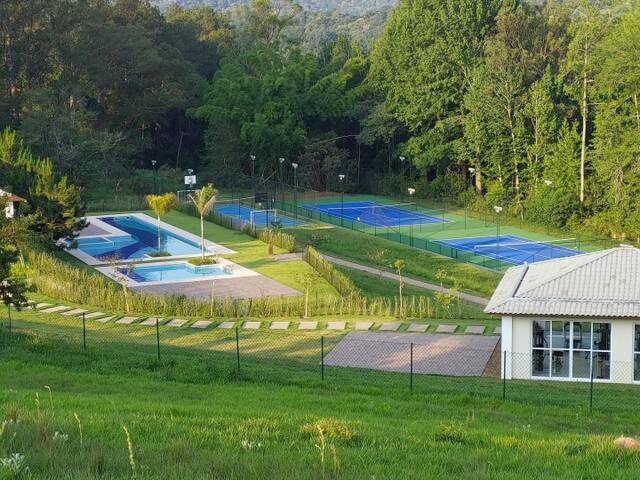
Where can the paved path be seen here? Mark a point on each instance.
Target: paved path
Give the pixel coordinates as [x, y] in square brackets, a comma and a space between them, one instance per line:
[408, 281]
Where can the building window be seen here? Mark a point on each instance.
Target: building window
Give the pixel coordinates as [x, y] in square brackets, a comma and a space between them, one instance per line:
[565, 349]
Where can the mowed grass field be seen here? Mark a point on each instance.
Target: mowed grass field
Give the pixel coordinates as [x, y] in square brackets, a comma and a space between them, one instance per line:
[198, 417]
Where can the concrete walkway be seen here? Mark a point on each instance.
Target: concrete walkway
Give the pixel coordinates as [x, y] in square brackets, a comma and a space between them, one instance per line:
[408, 281]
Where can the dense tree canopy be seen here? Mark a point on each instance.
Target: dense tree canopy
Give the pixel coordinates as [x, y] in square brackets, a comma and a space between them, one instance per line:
[533, 106]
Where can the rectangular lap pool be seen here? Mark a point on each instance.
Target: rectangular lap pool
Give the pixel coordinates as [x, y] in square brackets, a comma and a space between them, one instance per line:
[135, 237]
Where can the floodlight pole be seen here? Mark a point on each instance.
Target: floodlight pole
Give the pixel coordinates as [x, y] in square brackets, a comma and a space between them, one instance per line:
[155, 174]
[253, 172]
[411, 192]
[295, 190]
[341, 177]
[281, 181]
[497, 209]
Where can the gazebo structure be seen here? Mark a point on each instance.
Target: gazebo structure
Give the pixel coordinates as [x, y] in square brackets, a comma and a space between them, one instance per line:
[12, 203]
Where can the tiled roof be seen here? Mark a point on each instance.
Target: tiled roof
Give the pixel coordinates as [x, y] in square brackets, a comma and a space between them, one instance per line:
[11, 197]
[598, 284]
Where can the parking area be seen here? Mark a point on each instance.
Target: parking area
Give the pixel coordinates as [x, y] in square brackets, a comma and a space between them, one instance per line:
[437, 354]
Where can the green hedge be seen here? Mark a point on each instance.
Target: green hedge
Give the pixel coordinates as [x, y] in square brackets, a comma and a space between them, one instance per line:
[279, 239]
[326, 269]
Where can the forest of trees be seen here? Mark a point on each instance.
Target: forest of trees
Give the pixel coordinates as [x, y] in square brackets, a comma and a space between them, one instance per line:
[533, 107]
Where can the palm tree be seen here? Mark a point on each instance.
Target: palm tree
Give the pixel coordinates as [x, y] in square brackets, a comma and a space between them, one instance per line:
[204, 200]
[161, 205]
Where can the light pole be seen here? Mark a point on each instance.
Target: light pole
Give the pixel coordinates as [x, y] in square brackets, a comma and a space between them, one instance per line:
[253, 172]
[295, 190]
[548, 183]
[497, 209]
[155, 181]
[280, 162]
[411, 192]
[341, 177]
[404, 166]
[472, 171]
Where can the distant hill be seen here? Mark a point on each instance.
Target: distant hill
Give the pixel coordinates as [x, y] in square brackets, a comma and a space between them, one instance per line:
[349, 7]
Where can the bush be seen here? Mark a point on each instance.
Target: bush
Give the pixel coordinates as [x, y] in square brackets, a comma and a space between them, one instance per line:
[279, 239]
[451, 432]
[203, 261]
[331, 428]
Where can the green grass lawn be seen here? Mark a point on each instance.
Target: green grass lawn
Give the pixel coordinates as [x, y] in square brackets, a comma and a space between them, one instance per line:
[378, 252]
[196, 416]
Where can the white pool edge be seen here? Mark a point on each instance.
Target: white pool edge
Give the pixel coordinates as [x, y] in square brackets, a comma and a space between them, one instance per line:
[210, 247]
[238, 272]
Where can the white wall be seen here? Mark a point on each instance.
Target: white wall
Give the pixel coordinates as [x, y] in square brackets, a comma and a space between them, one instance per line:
[517, 338]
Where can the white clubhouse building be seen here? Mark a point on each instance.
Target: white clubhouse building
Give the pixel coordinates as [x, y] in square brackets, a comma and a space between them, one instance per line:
[571, 318]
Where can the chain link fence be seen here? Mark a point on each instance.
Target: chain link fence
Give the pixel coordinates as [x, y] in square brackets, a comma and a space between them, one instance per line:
[401, 363]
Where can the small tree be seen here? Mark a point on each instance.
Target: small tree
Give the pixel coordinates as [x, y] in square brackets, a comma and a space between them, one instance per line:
[204, 200]
[309, 281]
[161, 205]
[399, 265]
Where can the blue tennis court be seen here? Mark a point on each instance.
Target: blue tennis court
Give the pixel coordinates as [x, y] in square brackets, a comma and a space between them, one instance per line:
[375, 214]
[260, 218]
[513, 249]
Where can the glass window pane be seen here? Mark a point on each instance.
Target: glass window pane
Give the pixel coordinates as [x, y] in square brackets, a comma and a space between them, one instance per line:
[637, 339]
[540, 334]
[601, 365]
[560, 334]
[636, 369]
[582, 365]
[560, 363]
[540, 363]
[582, 335]
[602, 336]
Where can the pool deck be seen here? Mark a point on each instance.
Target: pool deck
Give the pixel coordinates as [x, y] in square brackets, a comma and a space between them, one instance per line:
[241, 288]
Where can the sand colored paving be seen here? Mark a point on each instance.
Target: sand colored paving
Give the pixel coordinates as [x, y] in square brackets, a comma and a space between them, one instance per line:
[363, 325]
[456, 355]
[201, 324]
[251, 325]
[444, 328]
[389, 327]
[151, 321]
[475, 330]
[75, 311]
[58, 309]
[336, 325]
[418, 327]
[40, 306]
[91, 316]
[126, 320]
[279, 325]
[106, 319]
[176, 322]
[307, 325]
[227, 325]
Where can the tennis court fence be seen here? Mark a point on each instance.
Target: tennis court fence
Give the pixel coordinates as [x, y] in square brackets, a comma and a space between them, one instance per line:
[427, 225]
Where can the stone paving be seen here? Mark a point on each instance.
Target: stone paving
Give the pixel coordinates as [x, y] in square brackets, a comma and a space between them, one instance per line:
[75, 311]
[418, 327]
[443, 328]
[93, 315]
[58, 309]
[106, 319]
[227, 325]
[389, 327]
[151, 321]
[251, 325]
[457, 355]
[127, 320]
[475, 330]
[279, 325]
[307, 325]
[176, 322]
[497, 330]
[363, 325]
[40, 306]
[201, 324]
[336, 325]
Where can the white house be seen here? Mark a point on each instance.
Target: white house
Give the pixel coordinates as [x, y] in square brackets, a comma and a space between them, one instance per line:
[571, 318]
[12, 203]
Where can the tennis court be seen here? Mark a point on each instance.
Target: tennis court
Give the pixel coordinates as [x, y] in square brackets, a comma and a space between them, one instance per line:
[513, 249]
[376, 214]
[258, 217]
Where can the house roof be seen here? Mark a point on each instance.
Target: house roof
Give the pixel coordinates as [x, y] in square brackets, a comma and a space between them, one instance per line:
[11, 197]
[598, 284]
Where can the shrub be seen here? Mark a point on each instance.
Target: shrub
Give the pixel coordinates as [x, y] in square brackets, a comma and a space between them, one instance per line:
[279, 239]
[203, 261]
[451, 432]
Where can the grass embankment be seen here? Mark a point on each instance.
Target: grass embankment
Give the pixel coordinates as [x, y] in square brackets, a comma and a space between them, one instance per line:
[197, 417]
[378, 252]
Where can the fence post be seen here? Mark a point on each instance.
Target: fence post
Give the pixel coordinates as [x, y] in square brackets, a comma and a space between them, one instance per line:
[84, 331]
[411, 368]
[322, 357]
[238, 349]
[591, 385]
[158, 336]
[504, 375]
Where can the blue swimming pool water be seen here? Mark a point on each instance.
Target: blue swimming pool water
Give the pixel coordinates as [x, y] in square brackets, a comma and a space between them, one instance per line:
[511, 248]
[375, 214]
[155, 272]
[141, 239]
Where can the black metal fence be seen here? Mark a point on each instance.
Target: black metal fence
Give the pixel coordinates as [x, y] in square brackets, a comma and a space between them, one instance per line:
[371, 362]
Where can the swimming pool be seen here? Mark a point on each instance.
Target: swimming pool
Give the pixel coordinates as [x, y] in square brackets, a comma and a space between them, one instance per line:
[171, 272]
[134, 236]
